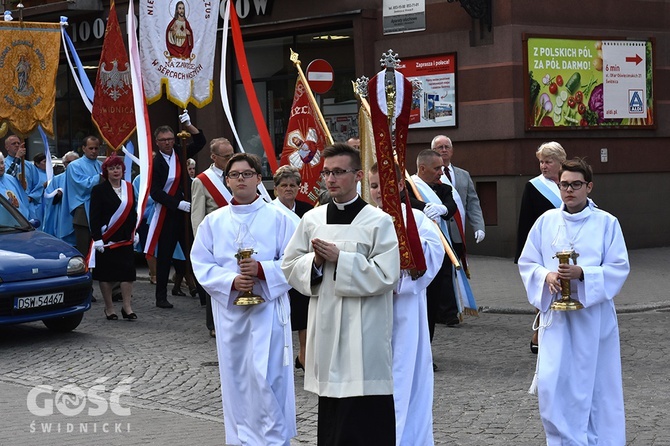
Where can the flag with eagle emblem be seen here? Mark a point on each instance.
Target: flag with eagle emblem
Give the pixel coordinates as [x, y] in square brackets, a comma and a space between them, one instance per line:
[113, 110]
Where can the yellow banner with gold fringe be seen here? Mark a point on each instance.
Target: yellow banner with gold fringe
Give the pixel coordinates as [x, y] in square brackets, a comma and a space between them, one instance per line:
[29, 56]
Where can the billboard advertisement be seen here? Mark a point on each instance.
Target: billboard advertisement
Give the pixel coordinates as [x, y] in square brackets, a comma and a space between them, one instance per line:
[588, 83]
[435, 105]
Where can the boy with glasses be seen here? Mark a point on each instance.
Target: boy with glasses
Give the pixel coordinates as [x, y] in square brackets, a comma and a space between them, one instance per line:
[253, 342]
[578, 373]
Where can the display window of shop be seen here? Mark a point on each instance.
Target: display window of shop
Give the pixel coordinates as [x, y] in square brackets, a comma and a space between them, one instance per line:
[274, 77]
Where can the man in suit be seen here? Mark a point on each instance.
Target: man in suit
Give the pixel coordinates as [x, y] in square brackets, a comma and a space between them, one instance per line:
[167, 227]
[209, 193]
[469, 207]
[440, 207]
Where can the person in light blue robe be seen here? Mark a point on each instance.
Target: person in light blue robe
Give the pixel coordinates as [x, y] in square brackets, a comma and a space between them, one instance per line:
[57, 217]
[81, 175]
[11, 189]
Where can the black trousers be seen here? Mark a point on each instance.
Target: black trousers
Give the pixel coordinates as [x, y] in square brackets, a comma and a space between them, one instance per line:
[171, 233]
[441, 298]
[356, 421]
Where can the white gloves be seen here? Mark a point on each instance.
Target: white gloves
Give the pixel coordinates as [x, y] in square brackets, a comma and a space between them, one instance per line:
[136, 239]
[184, 206]
[184, 118]
[434, 211]
[99, 245]
[479, 235]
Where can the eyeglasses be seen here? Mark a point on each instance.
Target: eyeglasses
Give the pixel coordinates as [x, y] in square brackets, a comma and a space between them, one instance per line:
[225, 157]
[336, 172]
[442, 147]
[575, 185]
[165, 140]
[246, 174]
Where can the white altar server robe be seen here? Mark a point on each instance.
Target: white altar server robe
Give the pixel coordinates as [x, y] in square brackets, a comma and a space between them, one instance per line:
[579, 380]
[253, 342]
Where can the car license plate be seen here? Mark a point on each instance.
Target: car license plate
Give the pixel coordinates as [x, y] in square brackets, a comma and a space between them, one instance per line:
[44, 300]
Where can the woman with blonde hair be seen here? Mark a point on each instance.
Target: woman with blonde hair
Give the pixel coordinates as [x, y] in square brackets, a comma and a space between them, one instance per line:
[540, 195]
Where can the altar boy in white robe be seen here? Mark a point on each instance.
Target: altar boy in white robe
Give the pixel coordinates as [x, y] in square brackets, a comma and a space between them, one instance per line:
[254, 341]
[412, 357]
[578, 374]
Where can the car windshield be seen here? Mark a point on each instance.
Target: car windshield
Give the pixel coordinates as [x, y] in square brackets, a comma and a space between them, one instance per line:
[11, 219]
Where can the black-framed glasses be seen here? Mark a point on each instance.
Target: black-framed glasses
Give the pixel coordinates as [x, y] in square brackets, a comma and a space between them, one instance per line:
[575, 185]
[336, 172]
[246, 174]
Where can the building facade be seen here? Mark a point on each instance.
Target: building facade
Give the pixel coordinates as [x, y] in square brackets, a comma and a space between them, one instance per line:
[491, 135]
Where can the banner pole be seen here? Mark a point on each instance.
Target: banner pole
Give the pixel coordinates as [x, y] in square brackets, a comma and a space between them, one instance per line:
[310, 95]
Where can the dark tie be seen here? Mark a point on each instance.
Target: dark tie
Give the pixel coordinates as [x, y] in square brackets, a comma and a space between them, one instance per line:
[448, 174]
[13, 168]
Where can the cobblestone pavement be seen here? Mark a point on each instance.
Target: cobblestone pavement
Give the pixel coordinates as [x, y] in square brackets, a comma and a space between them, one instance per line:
[481, 396]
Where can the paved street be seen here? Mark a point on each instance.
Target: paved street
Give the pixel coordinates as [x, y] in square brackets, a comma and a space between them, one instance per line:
[169, 363]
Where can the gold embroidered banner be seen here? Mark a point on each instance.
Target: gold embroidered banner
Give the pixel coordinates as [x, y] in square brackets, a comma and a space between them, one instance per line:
[29, 55]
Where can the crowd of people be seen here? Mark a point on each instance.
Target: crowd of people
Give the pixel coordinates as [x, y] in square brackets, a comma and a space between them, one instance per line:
[333, 274]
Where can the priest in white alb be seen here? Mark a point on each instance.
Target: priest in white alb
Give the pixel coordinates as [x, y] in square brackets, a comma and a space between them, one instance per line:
[344, 255]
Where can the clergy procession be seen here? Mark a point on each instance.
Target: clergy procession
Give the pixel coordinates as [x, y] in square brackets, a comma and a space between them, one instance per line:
[356, 255]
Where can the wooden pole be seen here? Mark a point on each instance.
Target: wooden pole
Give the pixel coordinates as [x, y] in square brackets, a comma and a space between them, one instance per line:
[310, 95]
[445, 243]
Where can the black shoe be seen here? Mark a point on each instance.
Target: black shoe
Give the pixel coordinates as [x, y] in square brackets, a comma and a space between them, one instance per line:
[212, 333]
[434, 367]
[177, 292]
[164, 304]
[131, 316]
[110, 317]
[453, 322]
[193, 292]
[298, 364]
[533, 348]
[117, 297]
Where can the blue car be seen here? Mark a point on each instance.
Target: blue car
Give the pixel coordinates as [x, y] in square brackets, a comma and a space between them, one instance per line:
[41, 277]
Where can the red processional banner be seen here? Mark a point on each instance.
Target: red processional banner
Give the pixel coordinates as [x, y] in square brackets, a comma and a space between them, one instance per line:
[113, 111]
[304, 142]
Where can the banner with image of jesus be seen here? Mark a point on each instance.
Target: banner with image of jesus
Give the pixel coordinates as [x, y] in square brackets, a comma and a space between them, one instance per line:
[177, 43]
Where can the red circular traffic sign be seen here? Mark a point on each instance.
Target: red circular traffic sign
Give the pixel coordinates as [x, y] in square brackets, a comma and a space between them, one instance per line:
[320, 76]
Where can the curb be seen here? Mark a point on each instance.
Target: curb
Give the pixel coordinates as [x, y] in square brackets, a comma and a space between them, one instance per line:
[619, 310]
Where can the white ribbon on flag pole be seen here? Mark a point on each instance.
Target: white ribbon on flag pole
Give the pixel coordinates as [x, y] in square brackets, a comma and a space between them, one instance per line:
[141, 118]
[223, 84]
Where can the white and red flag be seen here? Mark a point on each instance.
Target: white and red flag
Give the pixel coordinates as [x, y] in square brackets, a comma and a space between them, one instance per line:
[113, 110]
[304, 142]
[177, 43]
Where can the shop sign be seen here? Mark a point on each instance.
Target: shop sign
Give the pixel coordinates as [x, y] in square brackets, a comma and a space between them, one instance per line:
[245, 7]
[402, 16]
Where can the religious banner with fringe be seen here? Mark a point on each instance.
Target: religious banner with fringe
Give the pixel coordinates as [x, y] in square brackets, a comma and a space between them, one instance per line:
[29, 57]
[113, 110]
[304, 142]
[177, 43]
[390, 103]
